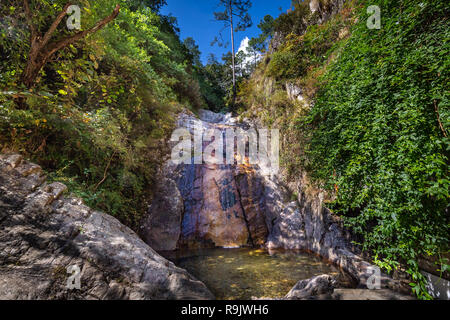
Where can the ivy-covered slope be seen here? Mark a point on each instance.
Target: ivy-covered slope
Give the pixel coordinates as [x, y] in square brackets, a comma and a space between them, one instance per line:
[376, 131]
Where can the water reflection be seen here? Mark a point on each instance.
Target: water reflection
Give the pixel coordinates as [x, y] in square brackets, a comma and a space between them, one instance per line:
[245, 273]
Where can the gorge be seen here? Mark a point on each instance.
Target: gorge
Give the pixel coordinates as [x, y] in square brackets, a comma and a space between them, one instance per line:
[199, 206]
[119, 180]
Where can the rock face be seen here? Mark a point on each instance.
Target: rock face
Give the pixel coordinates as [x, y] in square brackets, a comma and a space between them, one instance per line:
[42, 233]
[223, 205]
[294, 92]
[323, 288]
[213, 213]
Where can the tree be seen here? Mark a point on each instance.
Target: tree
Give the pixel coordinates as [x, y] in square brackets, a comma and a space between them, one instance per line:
[193, 50]
[42, 49]
[240, 60]
[267, 27]
[235, 16]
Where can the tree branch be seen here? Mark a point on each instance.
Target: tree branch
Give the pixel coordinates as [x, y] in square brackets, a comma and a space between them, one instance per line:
[41, 50]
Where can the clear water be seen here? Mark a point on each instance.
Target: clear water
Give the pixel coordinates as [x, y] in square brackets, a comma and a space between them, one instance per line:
[246, 273]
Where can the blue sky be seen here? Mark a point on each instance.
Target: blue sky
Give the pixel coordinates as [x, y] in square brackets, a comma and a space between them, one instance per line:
[196, 19]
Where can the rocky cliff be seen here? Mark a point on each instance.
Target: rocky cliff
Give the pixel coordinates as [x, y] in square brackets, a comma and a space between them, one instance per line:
[43, 234]
[206, 205]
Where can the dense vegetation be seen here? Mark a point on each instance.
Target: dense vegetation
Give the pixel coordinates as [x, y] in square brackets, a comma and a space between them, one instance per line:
[376, 135]
[372, 129]
[384, 135]
[98, 115]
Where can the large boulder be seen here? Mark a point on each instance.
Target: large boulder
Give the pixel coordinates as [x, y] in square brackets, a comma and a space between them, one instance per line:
[43, 234]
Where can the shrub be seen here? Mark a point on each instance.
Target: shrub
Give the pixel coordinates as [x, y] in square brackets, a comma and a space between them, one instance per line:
[379, 134]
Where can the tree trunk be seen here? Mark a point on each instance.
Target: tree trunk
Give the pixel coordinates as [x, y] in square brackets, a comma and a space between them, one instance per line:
[232, 54]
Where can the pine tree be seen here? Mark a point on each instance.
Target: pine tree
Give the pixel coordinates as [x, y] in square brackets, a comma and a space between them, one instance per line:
[234, 16]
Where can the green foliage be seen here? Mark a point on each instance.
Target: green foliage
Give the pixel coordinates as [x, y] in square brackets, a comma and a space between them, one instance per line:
[103, 107]
[211, 86]
[154, 5]
[379, 134]
[209, 77]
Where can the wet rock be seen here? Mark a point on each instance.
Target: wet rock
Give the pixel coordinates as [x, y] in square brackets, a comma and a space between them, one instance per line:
[42, 233]
[222, 204]
[209, 116]
[251, 193]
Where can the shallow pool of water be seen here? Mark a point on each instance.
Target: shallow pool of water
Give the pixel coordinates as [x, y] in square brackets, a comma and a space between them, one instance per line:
[244, 273]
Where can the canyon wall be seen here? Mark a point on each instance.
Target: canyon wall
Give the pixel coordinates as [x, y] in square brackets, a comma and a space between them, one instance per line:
[205, 205]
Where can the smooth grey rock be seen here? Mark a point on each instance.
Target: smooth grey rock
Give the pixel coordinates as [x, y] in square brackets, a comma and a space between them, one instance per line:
[42, 234]
[209, 116]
